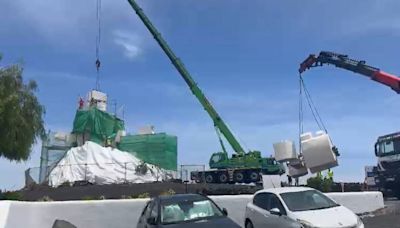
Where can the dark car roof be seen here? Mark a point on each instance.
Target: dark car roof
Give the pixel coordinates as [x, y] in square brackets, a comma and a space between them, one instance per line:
[181, 197]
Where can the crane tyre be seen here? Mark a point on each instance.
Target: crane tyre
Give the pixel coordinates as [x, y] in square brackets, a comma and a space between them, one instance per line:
[209, 178]
[239, 177]
[223, 178]
[254, 176]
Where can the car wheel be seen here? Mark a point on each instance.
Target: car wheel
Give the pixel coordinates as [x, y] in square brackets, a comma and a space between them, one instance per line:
[239, 177]
[249, 224]
[209, 178]
[223, 178]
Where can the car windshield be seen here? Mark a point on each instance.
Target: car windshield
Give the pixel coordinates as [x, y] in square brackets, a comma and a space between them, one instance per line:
[307, 200]
[188, 211]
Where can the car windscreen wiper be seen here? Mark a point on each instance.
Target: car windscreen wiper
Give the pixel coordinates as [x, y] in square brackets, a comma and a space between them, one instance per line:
[325, 207]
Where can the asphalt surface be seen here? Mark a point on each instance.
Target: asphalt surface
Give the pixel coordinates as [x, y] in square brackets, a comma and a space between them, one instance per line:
[386, 218]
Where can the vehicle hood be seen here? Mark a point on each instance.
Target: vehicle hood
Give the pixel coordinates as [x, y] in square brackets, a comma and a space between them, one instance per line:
[331, 217]
[212, 223]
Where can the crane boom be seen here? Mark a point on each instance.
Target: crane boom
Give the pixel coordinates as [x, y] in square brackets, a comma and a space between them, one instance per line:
[344, 62]
[218, 122]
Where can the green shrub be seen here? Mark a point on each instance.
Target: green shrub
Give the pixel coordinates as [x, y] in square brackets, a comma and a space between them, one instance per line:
[9, 195]
[45, 199]
[89, 198]
[320, 183]
[143, 195]
[170, 192]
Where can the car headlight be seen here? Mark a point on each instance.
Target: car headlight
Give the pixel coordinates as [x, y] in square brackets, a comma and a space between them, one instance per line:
[360, 224]
[306, 224]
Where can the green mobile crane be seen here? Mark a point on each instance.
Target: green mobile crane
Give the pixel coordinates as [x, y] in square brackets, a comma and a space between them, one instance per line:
[243, 166]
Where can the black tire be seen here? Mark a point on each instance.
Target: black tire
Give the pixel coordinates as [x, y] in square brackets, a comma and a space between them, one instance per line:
[209, 178]
[223, 178]
[249, 224]
[254, 176]
[239, 177]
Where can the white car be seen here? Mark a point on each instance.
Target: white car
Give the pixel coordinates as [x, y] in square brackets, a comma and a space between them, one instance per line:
[297, 207]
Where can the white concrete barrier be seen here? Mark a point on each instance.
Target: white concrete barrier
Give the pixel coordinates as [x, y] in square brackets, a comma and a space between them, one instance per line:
[359, 202]
[4, 208]
[123, 213]
[83, 214]
[235, 205]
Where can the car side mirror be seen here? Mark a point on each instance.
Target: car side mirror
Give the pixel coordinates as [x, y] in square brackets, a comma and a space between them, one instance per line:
[151, 221]
[225, 211]
[275, 211]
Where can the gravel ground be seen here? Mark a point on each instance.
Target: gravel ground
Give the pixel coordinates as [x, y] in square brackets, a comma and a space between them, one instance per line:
[387, 218]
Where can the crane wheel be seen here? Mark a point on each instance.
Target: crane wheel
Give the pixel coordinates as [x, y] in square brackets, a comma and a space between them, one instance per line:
[239, 177]
[209, 178]
[223, 178]
[254, 176]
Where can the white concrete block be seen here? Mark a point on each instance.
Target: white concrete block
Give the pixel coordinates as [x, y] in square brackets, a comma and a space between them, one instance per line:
[285, 151]
[297, 169]
[317, 153]
[305, 136]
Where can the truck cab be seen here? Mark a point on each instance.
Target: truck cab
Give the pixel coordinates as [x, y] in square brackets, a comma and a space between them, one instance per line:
[387, 150]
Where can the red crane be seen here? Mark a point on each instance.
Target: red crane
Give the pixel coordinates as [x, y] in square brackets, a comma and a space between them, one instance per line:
[357, 66]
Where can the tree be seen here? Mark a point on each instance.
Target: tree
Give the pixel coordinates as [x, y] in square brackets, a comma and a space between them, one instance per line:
[320, 183]
[21, 114]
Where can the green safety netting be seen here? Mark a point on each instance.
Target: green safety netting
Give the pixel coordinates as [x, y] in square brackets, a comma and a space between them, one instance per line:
[158, 149]
[100, 125]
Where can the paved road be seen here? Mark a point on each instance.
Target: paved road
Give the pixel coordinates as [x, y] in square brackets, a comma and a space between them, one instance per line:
[388, 218]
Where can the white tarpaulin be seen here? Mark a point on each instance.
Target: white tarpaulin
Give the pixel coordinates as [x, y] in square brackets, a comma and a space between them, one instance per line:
[102, 165]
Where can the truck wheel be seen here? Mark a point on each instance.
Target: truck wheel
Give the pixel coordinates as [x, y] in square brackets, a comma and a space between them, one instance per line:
[254, 177]
[239, 177]
[209, 178]
[223, 178]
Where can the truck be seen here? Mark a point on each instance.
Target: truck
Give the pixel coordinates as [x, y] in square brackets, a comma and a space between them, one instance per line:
[242, 167]
[387, 147]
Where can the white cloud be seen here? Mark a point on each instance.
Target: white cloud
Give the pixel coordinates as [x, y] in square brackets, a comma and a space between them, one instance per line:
[67, 24]
[129, 42]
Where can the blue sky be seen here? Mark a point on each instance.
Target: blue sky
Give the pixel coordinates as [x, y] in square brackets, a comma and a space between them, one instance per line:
[243, 54]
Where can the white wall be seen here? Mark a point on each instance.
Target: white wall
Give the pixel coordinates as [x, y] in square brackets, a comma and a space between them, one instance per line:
[4, 208]
[236, 206]
[359, 202]
[83, 214]
[123, 213]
